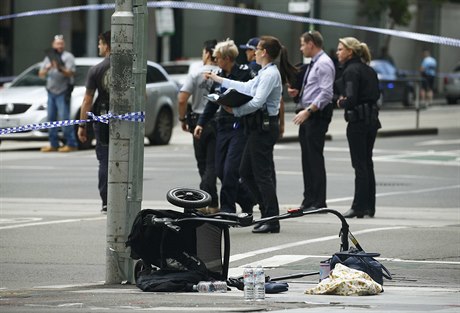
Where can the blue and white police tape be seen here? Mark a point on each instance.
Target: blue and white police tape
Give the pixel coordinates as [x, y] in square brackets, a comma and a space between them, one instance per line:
[236, 10]
[133, 117]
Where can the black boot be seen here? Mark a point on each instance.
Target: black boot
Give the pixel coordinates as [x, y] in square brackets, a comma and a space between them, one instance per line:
[354, 213]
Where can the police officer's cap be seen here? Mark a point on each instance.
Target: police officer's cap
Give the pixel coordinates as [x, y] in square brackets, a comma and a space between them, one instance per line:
[252, 44]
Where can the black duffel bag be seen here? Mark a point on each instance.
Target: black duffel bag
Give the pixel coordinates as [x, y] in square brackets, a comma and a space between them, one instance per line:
[362, 261]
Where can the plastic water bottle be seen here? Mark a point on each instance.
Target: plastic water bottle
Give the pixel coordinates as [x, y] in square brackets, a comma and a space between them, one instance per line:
[259, 283]
[211, 286]
[248, 276]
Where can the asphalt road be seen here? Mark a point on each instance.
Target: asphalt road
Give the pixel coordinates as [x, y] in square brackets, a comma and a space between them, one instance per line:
[52, 234]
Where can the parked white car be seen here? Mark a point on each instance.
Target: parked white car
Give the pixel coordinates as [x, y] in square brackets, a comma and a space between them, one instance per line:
[24, 101]
[178, 70]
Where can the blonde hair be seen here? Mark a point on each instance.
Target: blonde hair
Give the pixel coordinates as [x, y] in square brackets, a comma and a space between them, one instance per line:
[359, 49]
[226, 48]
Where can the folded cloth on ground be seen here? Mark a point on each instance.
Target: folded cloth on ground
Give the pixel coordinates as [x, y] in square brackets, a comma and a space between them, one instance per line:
[345, 281]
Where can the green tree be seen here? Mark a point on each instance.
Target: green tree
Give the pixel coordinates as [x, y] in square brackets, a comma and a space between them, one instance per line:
[397, 12]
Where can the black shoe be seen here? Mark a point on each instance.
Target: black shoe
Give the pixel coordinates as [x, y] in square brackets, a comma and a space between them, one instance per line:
[353, 213]
[104, 209]
[371, 213]
[267, 228]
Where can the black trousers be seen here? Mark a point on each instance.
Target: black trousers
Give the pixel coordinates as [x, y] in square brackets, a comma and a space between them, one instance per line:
[361, 139]
[205, 152]
[257, 168]
[101, 131]
[312, 136]
[229, 150]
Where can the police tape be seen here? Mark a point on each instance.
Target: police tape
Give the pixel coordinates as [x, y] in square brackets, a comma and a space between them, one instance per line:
[236, 10]
[105, 118]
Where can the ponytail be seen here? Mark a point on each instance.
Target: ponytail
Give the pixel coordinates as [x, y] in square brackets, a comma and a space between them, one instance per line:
[287, 70]
[360, 49]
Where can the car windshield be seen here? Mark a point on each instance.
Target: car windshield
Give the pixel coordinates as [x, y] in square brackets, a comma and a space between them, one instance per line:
[31, 78]
[176, 69]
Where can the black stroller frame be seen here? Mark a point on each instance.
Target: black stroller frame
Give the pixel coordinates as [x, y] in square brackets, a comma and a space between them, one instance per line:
[158, 242]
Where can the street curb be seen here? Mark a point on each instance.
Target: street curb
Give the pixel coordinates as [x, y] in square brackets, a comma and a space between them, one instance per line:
[383, 133]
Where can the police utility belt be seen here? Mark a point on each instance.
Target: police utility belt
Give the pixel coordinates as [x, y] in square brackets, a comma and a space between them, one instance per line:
[259, 121]
[366, 112]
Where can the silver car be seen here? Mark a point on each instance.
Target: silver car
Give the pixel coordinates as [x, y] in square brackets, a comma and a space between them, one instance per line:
[452, 86]
[178, 70]
[24, 101]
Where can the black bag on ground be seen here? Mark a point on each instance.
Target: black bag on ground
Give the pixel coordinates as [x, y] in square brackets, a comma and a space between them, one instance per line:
[183, 256]
[169, 280]
[362, 261]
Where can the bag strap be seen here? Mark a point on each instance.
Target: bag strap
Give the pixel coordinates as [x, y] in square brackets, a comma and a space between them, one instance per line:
[385, 272]
[361, 254]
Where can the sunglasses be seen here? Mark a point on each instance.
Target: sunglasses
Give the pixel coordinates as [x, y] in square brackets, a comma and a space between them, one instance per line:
[312, 37]
[59, 37]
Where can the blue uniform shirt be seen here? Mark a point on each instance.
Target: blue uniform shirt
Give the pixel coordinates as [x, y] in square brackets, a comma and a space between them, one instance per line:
[265, 89]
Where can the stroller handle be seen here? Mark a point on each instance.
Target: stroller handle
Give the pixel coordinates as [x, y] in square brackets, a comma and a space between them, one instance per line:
[344, 233]
[243, 220]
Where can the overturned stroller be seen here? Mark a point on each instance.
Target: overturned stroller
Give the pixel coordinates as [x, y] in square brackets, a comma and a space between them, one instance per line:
[176, 250]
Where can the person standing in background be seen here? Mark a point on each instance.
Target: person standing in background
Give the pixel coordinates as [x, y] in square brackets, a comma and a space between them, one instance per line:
[250, 50]
[313, 115]
[98, 79]
[358, 89]
[58, 68]
[205, 146]
[428, 72]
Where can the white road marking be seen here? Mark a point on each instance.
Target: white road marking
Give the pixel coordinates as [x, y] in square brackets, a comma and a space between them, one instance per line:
[54, 222]
[19, 220]
[439, 142]
[403, 192]
[254, 253]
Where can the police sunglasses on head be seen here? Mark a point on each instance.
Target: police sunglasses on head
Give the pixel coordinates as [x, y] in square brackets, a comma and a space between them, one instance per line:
[312, 37]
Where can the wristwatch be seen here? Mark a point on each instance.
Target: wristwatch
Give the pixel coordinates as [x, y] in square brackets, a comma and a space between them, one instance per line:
[309, 110]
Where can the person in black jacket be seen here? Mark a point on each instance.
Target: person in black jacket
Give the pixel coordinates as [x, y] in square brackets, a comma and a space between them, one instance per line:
[230, 138]
[358, 92]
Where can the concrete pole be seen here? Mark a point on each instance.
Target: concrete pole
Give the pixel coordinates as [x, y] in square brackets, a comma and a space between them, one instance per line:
[126, 146]
[92, 21]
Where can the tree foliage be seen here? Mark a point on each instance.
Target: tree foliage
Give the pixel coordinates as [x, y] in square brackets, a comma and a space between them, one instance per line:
[396, 10]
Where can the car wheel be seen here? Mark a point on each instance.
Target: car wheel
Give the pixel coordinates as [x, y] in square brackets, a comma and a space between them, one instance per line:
[451, 100]
[188, 198]
[163, 128]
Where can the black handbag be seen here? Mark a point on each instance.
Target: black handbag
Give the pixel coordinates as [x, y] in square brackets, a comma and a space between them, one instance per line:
[362, 261]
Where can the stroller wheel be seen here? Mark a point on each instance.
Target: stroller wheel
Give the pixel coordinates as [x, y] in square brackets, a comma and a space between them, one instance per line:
[188, 198]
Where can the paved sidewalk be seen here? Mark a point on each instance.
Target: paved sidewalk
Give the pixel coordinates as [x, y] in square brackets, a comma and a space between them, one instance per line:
[128, 298]
[395, 122]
